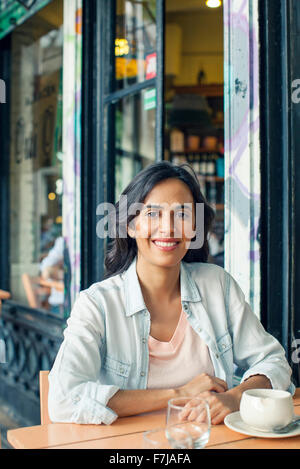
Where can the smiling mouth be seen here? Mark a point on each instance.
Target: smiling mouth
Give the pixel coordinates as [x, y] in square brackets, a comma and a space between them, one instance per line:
[163, 243]
[166, 245]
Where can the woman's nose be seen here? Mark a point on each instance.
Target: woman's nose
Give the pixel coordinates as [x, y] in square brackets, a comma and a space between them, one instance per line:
[166, 226]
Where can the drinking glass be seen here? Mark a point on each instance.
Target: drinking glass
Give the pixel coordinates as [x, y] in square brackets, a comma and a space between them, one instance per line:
[193, 416]
[177, 438]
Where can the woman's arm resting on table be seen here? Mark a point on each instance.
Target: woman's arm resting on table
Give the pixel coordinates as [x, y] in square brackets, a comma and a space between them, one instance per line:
[136, 401]
[76, 394]
[254, 350]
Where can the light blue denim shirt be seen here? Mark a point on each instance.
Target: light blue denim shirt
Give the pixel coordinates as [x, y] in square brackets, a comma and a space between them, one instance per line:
[105, 345]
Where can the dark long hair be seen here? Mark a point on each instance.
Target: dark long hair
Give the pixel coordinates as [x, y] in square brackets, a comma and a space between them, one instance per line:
[122, 251]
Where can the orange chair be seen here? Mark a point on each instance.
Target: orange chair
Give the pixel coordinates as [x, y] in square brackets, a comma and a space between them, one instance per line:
[4, 295]
[44, 389]
[36, 295]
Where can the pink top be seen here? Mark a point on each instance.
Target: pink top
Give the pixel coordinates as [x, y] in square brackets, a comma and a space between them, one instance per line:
[174, 363]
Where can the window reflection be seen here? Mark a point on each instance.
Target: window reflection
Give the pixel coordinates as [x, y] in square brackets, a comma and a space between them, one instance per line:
[135, 136]
[135, 42]
[36, 160]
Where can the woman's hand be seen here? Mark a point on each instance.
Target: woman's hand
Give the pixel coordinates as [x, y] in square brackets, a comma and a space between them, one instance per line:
[220, 405]
[202, 383]
[223, 403]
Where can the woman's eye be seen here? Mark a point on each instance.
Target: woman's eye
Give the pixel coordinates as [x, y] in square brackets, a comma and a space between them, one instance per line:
[152, 214]
[183, 215]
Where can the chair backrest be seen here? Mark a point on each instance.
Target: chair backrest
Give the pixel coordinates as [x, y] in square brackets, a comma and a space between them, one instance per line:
[29, 290]
[37, 294]
[44, 389]
[4, 295]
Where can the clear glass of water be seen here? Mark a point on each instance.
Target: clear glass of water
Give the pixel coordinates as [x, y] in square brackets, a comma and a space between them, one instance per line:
[162, 438]
[193, 416]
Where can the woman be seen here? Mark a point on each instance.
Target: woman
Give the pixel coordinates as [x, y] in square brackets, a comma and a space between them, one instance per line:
[164, 322]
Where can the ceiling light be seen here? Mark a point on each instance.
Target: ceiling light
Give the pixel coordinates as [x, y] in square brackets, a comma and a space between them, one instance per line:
[213, 3]
[51, 196]
[121, 47]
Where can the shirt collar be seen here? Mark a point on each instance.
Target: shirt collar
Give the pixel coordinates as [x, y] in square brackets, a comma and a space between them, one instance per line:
[134, 296]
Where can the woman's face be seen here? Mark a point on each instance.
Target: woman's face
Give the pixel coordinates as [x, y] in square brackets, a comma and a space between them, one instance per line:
[166, 224]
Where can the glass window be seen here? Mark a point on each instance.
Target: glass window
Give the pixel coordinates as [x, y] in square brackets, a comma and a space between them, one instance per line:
[135, 136]
[135, 42]
[36, 183]
[130, 111]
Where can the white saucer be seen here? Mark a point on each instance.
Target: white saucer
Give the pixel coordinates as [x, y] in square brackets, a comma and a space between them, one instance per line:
[234, 422]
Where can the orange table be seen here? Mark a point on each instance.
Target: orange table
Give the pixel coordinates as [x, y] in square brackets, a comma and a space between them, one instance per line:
[127, 433]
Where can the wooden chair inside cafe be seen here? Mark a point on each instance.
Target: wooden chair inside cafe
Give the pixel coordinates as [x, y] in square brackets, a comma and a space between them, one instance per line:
[37, 295]
[4, 295]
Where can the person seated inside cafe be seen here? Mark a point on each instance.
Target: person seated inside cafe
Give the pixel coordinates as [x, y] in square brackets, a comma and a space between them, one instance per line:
[51, 268]
[163, 322]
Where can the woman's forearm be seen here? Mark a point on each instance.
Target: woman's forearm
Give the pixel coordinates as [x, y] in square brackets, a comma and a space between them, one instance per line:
[254, 381]
[136, 401]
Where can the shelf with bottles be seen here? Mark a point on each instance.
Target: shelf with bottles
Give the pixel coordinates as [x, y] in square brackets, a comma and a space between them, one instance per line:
[209, 168]
[208, 90]
[218, 207]
[206, 164]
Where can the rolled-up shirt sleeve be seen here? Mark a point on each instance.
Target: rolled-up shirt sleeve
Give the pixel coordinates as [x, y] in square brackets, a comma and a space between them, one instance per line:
[254, 349]
[76, 394]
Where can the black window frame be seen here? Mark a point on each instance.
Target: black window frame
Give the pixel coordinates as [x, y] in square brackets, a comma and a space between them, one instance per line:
[5, 67]
[280, 149]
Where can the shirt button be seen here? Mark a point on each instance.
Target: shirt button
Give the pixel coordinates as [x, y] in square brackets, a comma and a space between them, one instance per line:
[185, 307]
[142, 373]
[144, 341]
[217, 356]
[121, 370]
[223, 346]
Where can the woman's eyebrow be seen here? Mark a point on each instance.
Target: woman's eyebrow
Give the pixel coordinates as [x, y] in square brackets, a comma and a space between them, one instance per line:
[153, 206]
[179, 206]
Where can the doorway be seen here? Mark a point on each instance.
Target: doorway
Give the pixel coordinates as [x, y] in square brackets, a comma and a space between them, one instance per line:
[193, 97]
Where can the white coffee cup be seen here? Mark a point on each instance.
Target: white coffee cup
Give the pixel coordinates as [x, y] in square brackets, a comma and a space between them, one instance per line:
[264, 409]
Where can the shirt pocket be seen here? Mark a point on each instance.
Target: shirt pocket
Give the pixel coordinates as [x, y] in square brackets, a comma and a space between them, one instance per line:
[224, 344]
[117, 372]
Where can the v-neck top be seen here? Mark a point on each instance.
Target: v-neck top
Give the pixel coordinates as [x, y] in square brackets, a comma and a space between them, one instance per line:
[175, 363]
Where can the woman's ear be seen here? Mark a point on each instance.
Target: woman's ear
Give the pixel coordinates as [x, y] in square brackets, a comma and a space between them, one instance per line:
[131, 230]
